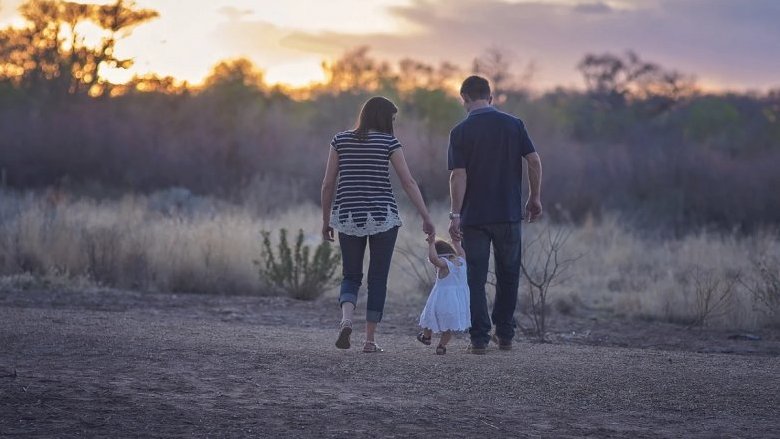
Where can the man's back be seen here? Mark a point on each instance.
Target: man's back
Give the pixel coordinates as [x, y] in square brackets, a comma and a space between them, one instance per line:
[489, 145]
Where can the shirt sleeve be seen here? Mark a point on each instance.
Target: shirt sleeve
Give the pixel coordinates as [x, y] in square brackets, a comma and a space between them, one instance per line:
[456, 157]
[334, 144]
[392, 146]
[526, 145]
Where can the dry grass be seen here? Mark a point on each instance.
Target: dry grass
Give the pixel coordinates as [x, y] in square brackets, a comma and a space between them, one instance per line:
[174, 241]
[138, 242]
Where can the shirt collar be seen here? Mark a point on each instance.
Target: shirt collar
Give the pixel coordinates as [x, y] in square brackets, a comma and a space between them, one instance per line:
[482, 110]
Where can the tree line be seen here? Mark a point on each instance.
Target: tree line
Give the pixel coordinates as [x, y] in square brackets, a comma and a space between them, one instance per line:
[640, 138]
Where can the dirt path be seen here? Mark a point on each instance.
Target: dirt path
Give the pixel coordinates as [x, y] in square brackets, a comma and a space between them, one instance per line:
[135, 365]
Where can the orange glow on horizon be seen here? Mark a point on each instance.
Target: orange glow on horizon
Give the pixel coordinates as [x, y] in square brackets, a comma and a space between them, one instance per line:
[288, 41]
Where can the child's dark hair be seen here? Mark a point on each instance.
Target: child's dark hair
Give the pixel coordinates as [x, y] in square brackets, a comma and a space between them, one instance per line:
[443, 247]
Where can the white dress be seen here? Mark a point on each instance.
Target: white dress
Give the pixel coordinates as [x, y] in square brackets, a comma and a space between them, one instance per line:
[447, 308]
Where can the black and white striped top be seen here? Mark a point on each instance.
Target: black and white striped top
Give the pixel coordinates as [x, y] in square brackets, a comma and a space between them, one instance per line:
[364, 204]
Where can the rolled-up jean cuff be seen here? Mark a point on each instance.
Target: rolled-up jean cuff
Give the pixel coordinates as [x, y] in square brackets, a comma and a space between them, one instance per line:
[373, 316]
[351, 298]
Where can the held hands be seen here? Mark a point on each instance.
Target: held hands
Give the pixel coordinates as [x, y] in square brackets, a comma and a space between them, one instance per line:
[429, 228]
[456, 234]
[533, 209]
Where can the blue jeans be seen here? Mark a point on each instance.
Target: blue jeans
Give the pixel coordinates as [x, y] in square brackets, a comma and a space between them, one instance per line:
[380, 247]
[506, 240]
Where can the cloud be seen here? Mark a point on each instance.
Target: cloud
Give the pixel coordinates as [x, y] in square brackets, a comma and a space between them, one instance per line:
[269, 44]
[233, 13]
[720, 41]
[593, 8]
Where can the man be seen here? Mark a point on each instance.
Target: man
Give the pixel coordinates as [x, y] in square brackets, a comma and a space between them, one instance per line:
[484, 156]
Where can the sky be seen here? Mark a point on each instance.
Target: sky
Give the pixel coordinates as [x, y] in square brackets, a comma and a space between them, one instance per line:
[726, 44]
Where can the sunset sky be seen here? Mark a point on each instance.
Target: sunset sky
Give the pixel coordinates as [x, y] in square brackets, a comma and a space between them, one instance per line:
[724, 43]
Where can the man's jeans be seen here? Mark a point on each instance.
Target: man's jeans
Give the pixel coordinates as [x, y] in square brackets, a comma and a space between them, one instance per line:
[380, 248]
[505, 238]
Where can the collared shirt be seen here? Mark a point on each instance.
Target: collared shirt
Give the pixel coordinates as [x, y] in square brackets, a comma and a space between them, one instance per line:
[489, 145]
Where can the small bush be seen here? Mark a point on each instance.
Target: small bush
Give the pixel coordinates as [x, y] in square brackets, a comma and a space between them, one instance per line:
[765, 287]
[415, 264]
[714, 293]
[293, 271]
[543, 265]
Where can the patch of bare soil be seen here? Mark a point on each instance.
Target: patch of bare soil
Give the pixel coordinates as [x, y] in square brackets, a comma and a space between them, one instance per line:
[127, 364]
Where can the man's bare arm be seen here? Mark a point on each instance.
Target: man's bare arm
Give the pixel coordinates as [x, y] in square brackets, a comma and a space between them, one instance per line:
[533, 207]
[457, 192]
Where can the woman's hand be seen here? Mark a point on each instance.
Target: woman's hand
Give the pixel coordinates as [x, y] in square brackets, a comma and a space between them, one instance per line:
[327, 232]
[428, 227]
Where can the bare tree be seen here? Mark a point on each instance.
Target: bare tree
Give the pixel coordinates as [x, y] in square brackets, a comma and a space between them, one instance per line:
[415, 264]
[765, 286]
[713, 293]
[496, 65]
[614, 79]
[543, 265]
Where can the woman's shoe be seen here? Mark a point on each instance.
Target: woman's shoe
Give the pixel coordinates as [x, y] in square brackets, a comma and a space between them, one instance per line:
[371, 347]
[345, 330]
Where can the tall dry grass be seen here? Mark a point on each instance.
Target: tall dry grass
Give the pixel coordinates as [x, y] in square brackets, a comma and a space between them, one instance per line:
[175, 241]
[172, 241]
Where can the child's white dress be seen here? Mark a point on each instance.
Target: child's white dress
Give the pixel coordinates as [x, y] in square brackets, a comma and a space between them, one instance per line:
[448, 305]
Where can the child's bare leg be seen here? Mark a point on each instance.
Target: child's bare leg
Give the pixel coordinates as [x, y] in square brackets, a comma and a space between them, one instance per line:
[446, 336]
[427, 333]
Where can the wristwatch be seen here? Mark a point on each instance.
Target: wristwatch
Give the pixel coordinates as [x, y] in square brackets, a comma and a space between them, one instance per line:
[454, 215]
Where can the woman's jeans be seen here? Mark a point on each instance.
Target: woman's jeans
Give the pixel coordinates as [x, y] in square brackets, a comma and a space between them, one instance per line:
[380, 247]
[505, 238]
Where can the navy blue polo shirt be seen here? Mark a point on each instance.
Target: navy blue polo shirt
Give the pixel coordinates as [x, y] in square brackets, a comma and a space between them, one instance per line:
[490, 145]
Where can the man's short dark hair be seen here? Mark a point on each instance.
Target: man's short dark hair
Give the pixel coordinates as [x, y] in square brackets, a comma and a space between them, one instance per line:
[475, 87]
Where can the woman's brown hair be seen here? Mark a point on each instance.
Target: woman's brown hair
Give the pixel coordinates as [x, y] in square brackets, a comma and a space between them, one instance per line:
[377, 115]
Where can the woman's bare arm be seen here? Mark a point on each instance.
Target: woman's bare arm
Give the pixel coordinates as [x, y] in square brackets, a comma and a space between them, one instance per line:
[327, 192]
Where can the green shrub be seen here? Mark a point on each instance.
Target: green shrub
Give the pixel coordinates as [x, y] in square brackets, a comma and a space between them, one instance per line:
[294, 271]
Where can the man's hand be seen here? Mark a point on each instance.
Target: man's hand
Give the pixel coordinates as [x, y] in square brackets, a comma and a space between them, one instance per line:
[456, 234]
[533, 209]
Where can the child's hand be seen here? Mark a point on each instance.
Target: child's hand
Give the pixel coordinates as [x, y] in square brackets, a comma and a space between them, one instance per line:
[430, 239]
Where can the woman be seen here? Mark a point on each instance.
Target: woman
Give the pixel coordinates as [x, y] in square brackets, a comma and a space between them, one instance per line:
[364, 210]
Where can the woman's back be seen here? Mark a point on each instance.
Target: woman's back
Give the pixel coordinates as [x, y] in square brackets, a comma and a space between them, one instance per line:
[364, 203]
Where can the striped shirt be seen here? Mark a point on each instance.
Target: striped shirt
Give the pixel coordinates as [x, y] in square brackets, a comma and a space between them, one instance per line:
[364, 204]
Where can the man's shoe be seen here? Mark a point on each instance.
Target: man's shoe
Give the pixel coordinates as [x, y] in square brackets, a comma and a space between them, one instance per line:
[504, 345]
[477, 349]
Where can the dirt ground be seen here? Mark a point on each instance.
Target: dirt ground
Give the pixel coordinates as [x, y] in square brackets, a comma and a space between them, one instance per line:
[127, 364]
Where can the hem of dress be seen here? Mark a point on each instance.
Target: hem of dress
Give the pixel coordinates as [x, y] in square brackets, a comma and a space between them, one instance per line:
[440, 330]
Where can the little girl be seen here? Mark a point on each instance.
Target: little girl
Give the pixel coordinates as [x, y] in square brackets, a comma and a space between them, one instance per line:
[447, 309]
